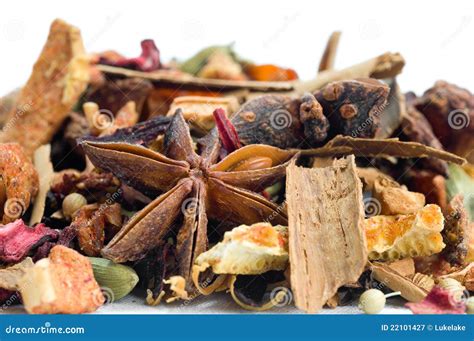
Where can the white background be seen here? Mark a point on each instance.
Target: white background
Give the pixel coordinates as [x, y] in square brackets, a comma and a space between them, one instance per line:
[436, 38]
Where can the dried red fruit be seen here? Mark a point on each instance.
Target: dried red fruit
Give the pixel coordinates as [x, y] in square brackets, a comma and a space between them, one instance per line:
[227, 133]
[438, 301]
[17, 239]
[149, 60]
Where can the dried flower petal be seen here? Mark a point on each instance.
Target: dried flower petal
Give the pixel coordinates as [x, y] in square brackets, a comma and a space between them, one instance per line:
[438, 301]
[149, 60]
[17, 239]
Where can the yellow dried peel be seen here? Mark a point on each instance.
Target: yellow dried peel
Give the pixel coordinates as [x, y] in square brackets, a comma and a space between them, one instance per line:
[400, 236]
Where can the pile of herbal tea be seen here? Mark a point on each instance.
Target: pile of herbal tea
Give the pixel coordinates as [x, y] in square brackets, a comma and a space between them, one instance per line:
[218, 174]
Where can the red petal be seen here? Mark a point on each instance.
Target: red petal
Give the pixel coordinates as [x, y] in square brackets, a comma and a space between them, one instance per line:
[149, 60]
[227, 133]
[17, 239]
[438, 301]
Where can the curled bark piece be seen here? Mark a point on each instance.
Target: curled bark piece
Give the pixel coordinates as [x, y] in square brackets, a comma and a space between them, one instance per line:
[59, 77]
[329, 56]
[322, 258]
[344, 145]
[260, 293]
[354, 107]
[387, 65]
[395, 281]
[18, 182]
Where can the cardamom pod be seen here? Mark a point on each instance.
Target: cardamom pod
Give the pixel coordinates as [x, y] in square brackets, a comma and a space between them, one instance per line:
[116, 280]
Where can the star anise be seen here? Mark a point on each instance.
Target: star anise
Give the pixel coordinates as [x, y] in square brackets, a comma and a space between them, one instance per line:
[193, 186]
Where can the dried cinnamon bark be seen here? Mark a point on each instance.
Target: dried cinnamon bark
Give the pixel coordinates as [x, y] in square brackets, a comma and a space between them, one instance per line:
[329, 55]
[59, 76]
[326, 239]
[354, 107]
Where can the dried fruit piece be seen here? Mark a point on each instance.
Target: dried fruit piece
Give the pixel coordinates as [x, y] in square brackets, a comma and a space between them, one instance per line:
[63, 283]
[10, 276]
[390, 195]
[221, 65]
[17, 239]
[18, 182]
[399, 236]
[91, 222]
[249, 250]
[149, 59]
[354, 108]
[198, 110]
[59, 77]
[323, 258]
[269, 73]
[438, 301]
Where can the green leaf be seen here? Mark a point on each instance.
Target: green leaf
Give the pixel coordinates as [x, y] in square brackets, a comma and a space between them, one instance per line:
[459, 182]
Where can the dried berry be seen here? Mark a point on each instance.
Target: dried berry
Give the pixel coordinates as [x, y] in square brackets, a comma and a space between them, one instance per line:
[354, 107]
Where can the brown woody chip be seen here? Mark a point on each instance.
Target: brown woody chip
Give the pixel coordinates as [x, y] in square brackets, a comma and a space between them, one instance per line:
[59, 76]
[326, 238]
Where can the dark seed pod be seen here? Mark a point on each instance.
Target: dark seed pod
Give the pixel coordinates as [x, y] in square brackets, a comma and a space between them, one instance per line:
[315, 124]
[353, 107]
[270, 119]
